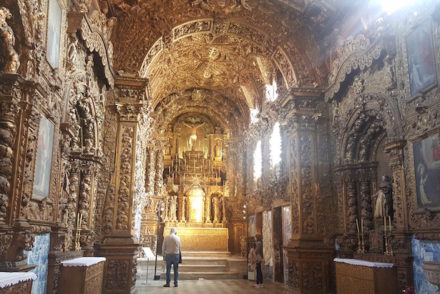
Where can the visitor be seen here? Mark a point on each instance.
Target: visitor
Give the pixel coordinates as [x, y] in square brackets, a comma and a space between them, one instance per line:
[258, 260]
[171, 252]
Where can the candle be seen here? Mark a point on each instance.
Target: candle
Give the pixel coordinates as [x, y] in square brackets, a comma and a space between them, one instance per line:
[389, 218]
[362, 226]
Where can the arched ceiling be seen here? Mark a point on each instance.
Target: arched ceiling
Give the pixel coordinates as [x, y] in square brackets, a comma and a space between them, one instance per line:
[231, 115]
[230, 47]
[225, 64]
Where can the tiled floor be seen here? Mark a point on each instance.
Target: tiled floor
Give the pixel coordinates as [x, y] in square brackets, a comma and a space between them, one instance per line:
[210, 287]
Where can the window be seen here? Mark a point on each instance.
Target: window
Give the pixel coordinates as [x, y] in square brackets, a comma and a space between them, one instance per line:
[275, 146]
[271, 92]
[258, 161]
[53, 34]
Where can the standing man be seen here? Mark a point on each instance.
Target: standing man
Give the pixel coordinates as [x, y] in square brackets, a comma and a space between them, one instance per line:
[170, 252]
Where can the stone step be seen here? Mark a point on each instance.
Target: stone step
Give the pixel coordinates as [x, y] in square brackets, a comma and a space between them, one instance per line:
[206, 276]
[207, 268]
[210, 254]
[186, 261]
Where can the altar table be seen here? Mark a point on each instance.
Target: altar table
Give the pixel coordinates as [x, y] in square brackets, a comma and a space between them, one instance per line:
[82, 275]
[364, 277]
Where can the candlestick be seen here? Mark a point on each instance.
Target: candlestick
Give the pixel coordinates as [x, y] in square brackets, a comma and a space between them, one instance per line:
[362, 236]
[389, 219]
[358, 236]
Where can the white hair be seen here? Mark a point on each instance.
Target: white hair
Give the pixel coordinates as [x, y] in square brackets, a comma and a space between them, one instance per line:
[173, 230]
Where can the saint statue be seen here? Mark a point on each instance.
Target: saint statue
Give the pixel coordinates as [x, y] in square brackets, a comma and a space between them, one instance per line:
[218, 150]
[384, 201]
[173, 208]
[193, 137]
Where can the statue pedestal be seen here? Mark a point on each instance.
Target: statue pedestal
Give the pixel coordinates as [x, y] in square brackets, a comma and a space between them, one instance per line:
[309, 267]
[120, 267]
[201, 238]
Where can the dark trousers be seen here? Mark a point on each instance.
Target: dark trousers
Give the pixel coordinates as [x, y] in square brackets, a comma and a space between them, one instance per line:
[259, 273]
[172, 259]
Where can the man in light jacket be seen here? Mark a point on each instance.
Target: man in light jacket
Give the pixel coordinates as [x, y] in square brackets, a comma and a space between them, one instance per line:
[170, 252]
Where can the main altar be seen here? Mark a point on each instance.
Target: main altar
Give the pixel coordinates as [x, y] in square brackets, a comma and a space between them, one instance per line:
[195, 180]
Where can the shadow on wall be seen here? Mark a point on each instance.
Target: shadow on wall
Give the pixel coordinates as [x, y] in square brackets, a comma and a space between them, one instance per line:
[429, 251]
[39, 257]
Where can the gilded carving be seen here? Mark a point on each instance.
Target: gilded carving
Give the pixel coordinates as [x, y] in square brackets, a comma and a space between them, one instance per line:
[9, 61]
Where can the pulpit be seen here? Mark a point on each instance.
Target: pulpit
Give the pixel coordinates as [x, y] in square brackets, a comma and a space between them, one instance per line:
[16, 282]
[364, 277]
[82, 275]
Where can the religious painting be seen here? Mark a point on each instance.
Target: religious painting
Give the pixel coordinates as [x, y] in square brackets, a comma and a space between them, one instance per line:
[252, 226]
[43, 159]
[421, 61]
[427, 170]
[54, 34]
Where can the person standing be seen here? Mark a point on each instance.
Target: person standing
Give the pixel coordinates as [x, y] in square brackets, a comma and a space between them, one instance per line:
[259, 260]
[171, 252]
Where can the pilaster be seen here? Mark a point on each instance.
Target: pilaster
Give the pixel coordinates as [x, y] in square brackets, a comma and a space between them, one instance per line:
[120, 246]
[308, 257]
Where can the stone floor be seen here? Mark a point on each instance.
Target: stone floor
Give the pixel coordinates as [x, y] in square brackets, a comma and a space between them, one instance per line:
[211, 287]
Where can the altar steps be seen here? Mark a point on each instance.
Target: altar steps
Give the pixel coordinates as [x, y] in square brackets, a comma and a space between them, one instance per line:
[199, 265]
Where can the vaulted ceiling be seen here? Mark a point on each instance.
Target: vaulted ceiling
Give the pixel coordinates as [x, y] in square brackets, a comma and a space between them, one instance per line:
[228, 47]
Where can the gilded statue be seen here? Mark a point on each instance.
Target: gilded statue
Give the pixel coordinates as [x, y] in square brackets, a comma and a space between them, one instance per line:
[9, 60]
[173, 208]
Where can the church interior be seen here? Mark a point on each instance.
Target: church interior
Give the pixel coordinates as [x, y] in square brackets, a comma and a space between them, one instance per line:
[313, 125]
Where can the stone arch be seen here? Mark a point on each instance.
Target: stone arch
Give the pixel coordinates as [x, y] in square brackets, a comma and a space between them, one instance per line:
[374, 118]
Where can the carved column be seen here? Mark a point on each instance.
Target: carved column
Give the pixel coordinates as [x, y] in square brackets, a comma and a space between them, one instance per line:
[208, 209]
[120, 245]
[72, 204]
[8, 128]
[401, 242]
[159, 172]
[308, 258]
[151, 170]
[365, 190]
[19, 119]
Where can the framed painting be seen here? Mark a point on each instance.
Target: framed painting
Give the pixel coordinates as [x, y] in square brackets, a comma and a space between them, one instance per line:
[54, 34]
[43, 159]
[421, 60]
[427, 171]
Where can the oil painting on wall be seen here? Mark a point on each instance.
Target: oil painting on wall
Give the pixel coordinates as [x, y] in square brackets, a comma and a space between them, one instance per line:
[252, 225]
[421, 62]
[44, 159]
[427, 169]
